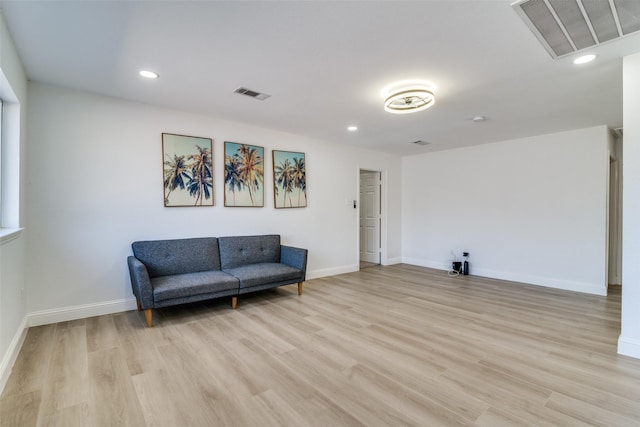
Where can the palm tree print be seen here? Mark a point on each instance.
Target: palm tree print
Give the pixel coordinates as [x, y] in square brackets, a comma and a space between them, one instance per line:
[284, 179]
[300, 177]
[244, 175]
[232, 178]
[251, 170]
[201, 183]
[188, 170]
[290, 177]
[175, 174]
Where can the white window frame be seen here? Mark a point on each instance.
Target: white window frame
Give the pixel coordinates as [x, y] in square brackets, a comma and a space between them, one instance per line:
[10, 163]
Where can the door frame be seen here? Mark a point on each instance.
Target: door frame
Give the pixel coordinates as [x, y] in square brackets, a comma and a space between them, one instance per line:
[614, 220]
[383, 213]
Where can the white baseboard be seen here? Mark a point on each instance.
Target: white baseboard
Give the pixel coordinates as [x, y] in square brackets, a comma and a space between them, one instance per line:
[64, 314]
[549, 282]
[12, 354]
[392, 261]
[629, 347]
[316, 274]
[426, 263]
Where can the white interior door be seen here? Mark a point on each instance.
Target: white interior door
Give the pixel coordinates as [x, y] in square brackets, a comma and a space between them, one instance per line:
[370, 216]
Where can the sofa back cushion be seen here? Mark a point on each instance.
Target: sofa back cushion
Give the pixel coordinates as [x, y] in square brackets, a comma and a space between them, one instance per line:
[244, 250]
[180, 256]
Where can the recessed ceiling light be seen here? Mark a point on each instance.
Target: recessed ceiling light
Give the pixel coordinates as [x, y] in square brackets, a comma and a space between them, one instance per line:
[478, 119]
[149, 74]
[352, 128]
[584, 59]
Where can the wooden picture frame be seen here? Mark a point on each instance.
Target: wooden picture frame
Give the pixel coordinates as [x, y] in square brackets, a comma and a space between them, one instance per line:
[289, 179]
[187, 170]
[243, 175]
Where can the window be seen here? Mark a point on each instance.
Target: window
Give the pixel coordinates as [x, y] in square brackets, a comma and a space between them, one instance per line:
[1, 115]
[9, 162]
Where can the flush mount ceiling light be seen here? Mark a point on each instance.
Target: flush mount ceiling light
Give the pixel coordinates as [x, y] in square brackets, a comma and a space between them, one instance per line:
[408, 97]
[149, 74]
[352, 128]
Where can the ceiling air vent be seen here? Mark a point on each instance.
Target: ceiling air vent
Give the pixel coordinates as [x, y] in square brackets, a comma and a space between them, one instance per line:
[251, 93]
[567, 26]
[420, 142]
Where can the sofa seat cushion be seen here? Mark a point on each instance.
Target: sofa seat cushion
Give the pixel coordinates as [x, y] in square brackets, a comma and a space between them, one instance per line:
[264, 273]
[189, 284]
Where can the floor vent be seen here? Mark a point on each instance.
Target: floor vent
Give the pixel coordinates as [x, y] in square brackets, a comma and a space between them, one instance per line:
[251, 93]
[567, 26]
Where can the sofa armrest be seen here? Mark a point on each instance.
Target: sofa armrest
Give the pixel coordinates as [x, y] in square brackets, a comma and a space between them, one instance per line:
[140, 282]
[294, 257]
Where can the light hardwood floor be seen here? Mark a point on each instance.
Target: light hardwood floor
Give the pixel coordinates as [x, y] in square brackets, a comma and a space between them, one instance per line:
[365, 264]
[386, 346]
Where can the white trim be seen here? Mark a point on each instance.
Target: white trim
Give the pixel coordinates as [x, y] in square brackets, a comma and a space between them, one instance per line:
[392, 261]
[425, 263]
[316, 274]
[549, 282]
[10, 160]
[629, 347]
[83, 311]
[64, 314]
[9, 234]
[12, 354]
[383, 214]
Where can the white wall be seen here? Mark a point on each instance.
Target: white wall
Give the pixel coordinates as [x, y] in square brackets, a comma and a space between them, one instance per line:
[95, 185]
[629, 342]
[13, 84]
[531, 210]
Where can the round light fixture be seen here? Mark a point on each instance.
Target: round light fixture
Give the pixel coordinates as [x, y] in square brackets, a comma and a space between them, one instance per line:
[149, 74]
[352, 128]
[584, 59]
[408, 97]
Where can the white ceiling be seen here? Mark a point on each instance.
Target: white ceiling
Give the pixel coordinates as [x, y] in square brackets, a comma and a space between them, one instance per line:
[325, 63]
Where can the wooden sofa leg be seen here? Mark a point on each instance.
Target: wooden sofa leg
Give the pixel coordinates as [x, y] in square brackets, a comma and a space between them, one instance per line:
[300, 288]
[148, 314]
[234, 302]
[138, 304]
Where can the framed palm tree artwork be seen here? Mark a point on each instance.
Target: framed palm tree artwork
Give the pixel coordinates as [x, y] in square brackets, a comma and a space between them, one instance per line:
[187, 170]
[243, 175]
[289, 179]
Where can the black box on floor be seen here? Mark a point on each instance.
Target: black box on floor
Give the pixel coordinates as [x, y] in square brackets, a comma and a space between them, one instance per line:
[457, 266]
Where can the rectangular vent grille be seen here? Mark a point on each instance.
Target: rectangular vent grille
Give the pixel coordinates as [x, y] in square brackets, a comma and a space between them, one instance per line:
[567, 26]
[251, 93]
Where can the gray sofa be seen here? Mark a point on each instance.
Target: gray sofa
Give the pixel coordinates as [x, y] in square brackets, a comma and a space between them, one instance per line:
[170, 272]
